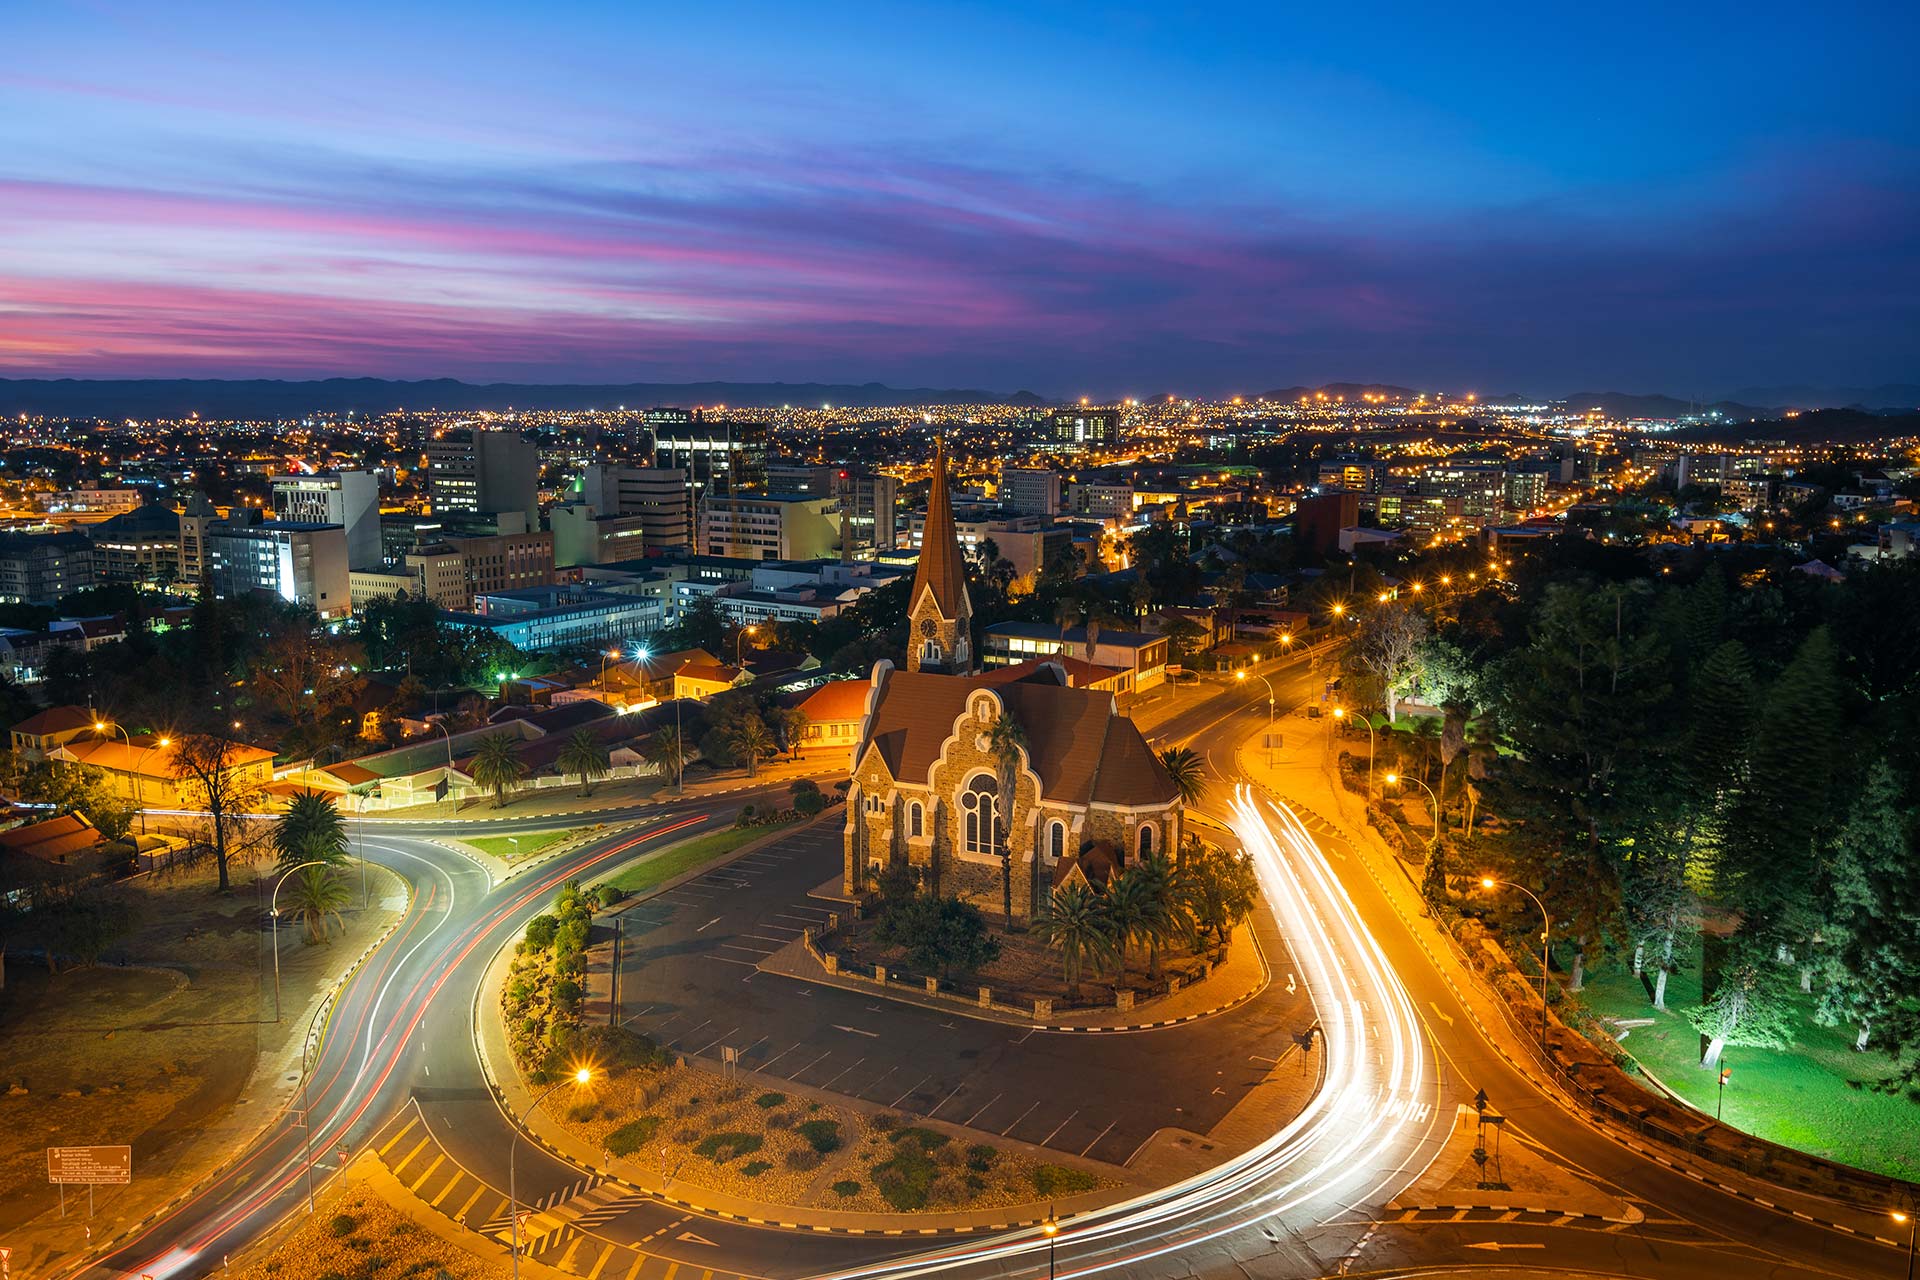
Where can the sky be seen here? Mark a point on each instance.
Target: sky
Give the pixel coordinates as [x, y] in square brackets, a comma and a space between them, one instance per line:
[1066, 198]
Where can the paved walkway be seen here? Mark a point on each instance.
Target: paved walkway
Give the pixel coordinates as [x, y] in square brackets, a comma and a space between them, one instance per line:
[619, 794]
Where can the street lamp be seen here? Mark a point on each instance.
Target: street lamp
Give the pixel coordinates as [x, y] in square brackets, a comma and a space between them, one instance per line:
[1242, 675]
[1546, 935]
[1394, 778]
[1052, 1229]
[1340, 713]
[273, 910]
[1912, 1222]
[102, 726]
[611, 653]
[741, 639]
[581, 1077]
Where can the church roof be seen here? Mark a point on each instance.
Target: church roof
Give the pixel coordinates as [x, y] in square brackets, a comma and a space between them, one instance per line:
[940, 569]
[1082, 751]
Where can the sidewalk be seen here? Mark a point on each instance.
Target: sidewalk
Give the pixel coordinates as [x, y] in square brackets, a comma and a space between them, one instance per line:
[1303, 774]
[617, 795]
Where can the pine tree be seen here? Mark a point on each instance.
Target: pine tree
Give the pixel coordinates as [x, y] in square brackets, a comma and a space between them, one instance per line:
[1864, 968]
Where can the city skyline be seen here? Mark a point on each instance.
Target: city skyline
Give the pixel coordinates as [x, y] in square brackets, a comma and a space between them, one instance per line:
[1008, 199]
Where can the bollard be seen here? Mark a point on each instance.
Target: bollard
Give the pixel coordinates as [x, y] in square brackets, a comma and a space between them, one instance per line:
[986, 996]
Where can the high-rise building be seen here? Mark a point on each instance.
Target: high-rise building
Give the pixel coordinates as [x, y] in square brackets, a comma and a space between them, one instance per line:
[871, 498]
[1030, 491]
[350, 499]
[474, 469]
[774, 526]
[1361, 475]
[300, 563]
[39, 568]
[732, 455]
[655, 496]
[1074, 430]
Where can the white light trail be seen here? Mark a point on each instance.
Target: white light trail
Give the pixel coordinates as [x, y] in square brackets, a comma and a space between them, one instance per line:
[1359, 1128]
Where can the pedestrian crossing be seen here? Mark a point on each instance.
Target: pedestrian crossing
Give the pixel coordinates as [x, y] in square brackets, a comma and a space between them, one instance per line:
[561, 1227]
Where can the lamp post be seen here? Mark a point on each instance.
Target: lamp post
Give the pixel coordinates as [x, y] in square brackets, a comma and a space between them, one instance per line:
[1546, 935]
[1340, 713]
[306, 1113]
[1052, 1228]
[611, 653]
[1394, 778]
[103, 726]
[1242, 675]
[1720, 1101]
[740, 639]
[1912, 1223]
[580, 1077]
[273, 910]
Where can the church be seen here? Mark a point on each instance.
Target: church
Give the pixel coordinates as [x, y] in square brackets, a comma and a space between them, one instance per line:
[1088, 794]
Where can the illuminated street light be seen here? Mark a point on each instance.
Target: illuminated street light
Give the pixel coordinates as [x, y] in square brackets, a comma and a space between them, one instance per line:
[1340, 713]
[1546, 935]
[582, 1076]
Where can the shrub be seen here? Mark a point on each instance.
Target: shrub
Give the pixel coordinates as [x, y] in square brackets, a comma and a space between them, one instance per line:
[975, 1184]
[768, 1101]
[780, 1120]
[631, 1136]
[727, 1145]
[583, 1113]
[754, 1168]
[885, 1121]
[822, 1135]
[342, 1225]
[686, 1135]
[924, 1139]
[804, 1161]
[905, 1180]
[980, 1158]
[1058, 1180]
[745, 818]
[540, 931]
[608, 894]
[566, 993]
[846, 1187]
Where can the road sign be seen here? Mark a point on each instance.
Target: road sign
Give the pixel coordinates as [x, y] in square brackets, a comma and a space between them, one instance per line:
[6, 1261]
[90, 1166]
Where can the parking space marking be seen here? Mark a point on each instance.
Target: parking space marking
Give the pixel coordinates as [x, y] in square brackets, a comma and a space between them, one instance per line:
[1048, 1140]
[776, 1057]
[909, 1093]
[1103, 1133]
[829, 1084]
[716, 1040]
[982, 1111]
[810, 1066]
[1023, 1115]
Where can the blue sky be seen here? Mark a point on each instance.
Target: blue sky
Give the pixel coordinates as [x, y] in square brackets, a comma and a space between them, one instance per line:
[1115, 200]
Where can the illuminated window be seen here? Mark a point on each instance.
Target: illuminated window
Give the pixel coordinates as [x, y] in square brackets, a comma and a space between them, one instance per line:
[980, 803]
[915, 820]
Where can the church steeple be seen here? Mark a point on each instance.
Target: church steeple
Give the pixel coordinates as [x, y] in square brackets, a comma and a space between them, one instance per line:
[940, 615]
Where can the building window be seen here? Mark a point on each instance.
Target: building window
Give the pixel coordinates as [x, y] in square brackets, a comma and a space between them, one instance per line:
[1146, 840]
[980, 803]
[930, 651]
[1057, 841]
[915, 820]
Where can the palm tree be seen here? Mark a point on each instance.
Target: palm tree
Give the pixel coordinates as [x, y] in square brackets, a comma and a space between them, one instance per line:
[1006, 740]
[317, 896]
[1076, 923]
[1188, 770]
[1163, 918]
[751, 742]
[1128, 905]
[667, 752]
[585, 755]
[497, 766]
[310, 830]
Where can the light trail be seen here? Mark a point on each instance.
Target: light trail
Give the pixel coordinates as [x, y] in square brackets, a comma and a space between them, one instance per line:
[1358, 1130]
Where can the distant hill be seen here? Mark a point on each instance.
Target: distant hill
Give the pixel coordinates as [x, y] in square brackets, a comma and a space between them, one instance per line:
[1351, 390]
[1620, 404]
[270, 398]
[1837, 426]
[1896, 396]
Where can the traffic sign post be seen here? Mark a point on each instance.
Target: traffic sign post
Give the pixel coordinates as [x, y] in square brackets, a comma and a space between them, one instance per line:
[89, 1167]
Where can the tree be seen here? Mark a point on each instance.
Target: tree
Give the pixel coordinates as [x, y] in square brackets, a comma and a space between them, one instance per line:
[1867, 954]
[215, 779]
[1388, 647]
[1164, 919]
[81, 925]
[667, 752]
[807, 799]
[1188, 770]
[1750, 1007]
[310, 830]
[749, 739]
[1076, 925]
[1006, 741]
[941, 934]
[318, 895]
[497, 765]
[1128, 904]
[1218, 887]
[306, 679]
[584, 754]
[792, 723]
[67, 787]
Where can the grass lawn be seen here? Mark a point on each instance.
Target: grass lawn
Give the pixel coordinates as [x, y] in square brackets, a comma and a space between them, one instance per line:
[1816, 1096]
[530, 843]
[651, 872]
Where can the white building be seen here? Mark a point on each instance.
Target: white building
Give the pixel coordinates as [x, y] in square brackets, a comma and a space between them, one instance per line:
[299, 563]
[771, 527]
[350, 499]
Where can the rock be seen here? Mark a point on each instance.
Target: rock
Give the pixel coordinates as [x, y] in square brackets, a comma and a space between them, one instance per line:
[17, 1090]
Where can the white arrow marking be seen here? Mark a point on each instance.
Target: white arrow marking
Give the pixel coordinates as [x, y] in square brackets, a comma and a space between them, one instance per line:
[1436, 1013]
[708, 925]
[691, 1238]
[1290, 985]
[1496, 1246]
[855, 1031]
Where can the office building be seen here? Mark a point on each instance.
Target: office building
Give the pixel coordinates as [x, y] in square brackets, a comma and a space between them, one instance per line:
[732, 455]
[1030, 491]
[542, 619]
[303, 564]
[350, 499]
[770, 527]
[141, 547]
[656, 496]
[1360, 475]
[474, 469]
[582, 536]
[1102, 501]
[39, 568]
[504, 562]
[1075, 430]
[197, 517]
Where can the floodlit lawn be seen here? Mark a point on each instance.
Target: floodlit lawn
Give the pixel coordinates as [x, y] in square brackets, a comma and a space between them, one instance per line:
[530, 843]
[652, 872]
[1816, 1096]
